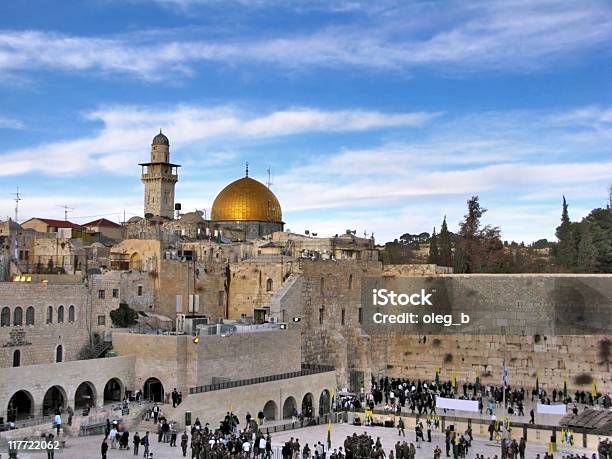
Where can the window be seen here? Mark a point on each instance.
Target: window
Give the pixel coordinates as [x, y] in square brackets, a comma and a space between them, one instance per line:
[350, 286]
[50, 315]
[101, 320]
[321, 311]
[342, 316]
[360, 317]
[322, 287]
[221, 298]
[140, 290]
[5, 317]
[101, 294]
[269, 285]
[115, 293]
[18, 317]
[17, 358]
[71, 313]
[59, 354]
[60, 314]
[30, 316]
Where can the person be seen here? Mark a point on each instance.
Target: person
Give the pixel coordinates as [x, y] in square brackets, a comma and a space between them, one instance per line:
[531, 416]
[104, 448]
[145, 442]
[50, 446]
[112, 436]
[400, 427]
[155, 413]
[521, 448]
[57, 422]
[437, 452]
[184, 441]
[136, 441]
[173, 433]
[70, 414]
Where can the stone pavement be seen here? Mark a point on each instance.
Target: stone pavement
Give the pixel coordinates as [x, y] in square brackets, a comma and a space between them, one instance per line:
[89, 447]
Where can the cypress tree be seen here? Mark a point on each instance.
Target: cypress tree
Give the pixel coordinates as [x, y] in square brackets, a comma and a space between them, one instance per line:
[433, 248]
[445, 249]
[566, 248]
[586, 258]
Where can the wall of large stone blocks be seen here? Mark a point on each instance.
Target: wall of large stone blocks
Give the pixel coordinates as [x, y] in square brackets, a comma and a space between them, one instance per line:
[248, 285]
[248, 355]
[179, 362]
[211, 406]
[142, 299]
[326, 339]
[37, 343]
[206, 279]
[36, 380]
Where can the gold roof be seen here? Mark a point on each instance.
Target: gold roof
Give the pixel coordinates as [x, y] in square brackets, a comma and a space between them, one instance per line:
[246, 199]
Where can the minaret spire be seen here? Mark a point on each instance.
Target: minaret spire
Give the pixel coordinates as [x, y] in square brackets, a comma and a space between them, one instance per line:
[247, 168]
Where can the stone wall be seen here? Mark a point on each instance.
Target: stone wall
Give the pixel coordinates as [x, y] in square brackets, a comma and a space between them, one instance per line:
[36, 380]
[211, 406]
[324, 294]
[178, 362]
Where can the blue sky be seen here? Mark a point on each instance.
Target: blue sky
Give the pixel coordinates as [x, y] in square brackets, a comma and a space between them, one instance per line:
[375, 116]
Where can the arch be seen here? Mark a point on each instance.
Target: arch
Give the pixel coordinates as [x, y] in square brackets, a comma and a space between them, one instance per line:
[60, 314]
[20, 406]
[289, 408]
[5, 317]
[85, 396]
[54, 400]
[269, 410]
[135, 261]
[153, 390]
[113, 391]
[17, 358]
[59, 353]
[30, 315]
[50, 314]
[307, 408]
[18, 317]
[324, 402]
[269, 285]
[71, 313]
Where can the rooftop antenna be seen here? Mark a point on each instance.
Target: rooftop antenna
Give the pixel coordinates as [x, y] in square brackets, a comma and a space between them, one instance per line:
[610, 198]
[247, 168]
[17, 199]
[269, 182]
[66, 210]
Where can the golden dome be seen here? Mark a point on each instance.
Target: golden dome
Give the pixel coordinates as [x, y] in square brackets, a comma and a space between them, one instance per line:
[246, 199]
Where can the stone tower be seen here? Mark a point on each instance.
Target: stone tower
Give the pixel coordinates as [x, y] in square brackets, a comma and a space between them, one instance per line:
[159, 177]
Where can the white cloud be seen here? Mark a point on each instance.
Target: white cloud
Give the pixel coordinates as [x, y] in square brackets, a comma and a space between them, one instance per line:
[10, 123]
[511, 36]
[127, 130]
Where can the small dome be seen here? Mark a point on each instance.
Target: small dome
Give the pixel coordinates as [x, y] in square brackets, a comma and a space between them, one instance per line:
[161, 139]
[191, 217]
[246, 199]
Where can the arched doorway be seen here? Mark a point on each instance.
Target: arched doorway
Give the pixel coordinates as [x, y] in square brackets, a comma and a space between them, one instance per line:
[153, 390]
[324, 403]
[307, 405]
[269, 410]
[135, 262]
[113, 391]
[289, 407]
[55, 400]
[85, 396]
[20, 406]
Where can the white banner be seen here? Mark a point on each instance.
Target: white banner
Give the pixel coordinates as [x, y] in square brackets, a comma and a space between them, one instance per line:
[551, 409]
[455, 404]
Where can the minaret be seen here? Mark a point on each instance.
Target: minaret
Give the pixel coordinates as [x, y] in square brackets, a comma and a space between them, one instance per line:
[159, 177]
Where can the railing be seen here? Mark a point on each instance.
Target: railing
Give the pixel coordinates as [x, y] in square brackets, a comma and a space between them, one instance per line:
[334, 418]
[305, 371]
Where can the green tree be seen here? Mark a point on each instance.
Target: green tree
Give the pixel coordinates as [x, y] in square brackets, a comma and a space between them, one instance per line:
[565, 253]
[445, 247]
[586, 258]
[479, 249]
[433, 248]
[124, 316]
[600, 226]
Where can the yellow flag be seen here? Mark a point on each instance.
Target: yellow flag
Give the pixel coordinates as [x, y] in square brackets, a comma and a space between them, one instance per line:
[594, 390]
[454, 380]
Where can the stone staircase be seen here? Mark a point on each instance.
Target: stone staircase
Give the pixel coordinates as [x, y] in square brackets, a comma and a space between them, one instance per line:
[279, 297]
